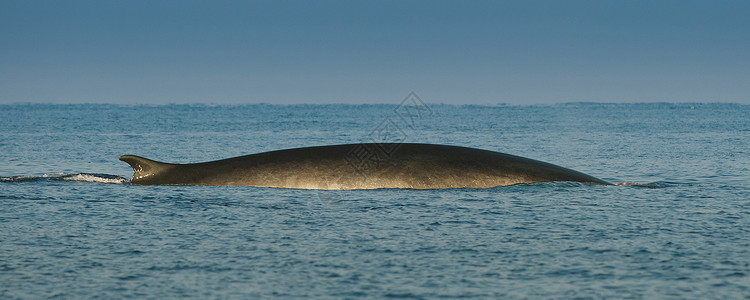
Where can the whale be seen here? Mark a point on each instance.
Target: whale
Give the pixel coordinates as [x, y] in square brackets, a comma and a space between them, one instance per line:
[359, 166]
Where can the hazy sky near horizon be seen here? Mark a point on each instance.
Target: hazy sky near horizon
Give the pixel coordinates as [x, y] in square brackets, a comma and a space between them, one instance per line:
[480, 52]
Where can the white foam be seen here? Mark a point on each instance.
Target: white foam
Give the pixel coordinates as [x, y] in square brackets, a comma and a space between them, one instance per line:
[628, 184]
[652, 185]
[83, 177]
[78, 177]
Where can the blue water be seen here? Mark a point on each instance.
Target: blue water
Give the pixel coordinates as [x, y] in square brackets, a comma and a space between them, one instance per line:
[677, 225]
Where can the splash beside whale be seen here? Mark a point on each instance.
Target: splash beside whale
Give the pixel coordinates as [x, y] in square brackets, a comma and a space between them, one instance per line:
[359, 166]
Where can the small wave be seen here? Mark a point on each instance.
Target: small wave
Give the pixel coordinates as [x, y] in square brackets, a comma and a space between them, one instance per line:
[80, 177]
[651, 185]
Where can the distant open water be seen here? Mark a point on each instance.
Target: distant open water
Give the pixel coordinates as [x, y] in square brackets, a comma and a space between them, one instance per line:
[676, 226]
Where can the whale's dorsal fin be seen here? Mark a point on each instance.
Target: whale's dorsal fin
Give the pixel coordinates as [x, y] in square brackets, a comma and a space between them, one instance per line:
[144, 167]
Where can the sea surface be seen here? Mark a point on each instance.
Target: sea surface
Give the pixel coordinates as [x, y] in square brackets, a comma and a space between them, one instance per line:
[675, 226]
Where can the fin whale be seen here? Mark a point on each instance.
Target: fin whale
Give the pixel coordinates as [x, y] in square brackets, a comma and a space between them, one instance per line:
[359, 166]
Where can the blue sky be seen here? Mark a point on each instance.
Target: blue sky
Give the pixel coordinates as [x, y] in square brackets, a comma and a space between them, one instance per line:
[517, 52]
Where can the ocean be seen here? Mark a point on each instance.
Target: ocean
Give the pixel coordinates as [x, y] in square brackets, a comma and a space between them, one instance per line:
[675, 226]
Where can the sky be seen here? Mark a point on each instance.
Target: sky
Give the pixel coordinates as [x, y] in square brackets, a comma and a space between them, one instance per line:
[456, 52]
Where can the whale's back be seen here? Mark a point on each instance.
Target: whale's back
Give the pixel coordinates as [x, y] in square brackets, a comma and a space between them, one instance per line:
[360, 166]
